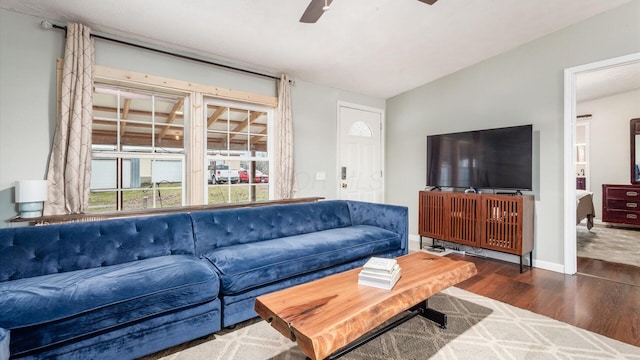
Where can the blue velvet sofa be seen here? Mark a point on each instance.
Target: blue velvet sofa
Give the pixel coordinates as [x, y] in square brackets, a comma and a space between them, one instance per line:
[120, 289]
[111, 289]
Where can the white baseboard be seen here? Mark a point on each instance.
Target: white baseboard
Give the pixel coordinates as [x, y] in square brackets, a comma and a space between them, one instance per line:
[414, 243]
[548, 266]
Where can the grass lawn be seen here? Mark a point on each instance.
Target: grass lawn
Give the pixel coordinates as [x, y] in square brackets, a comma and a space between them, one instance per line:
[220, 194]
[170, 195]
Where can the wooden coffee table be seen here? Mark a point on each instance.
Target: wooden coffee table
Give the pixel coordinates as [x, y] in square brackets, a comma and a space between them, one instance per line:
[333, 315]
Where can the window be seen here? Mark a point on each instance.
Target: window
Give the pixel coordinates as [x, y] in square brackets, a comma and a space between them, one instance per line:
[237, 155]
[150, 148]
[138, 147]
[359, 128]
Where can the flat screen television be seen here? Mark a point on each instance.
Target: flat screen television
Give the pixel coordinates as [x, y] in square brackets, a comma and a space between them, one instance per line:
[483, 159]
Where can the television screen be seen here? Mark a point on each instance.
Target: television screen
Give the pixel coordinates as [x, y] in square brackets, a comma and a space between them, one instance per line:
[483, 159]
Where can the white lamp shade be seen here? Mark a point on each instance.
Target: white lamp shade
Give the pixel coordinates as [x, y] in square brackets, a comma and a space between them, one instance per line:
[31, 191]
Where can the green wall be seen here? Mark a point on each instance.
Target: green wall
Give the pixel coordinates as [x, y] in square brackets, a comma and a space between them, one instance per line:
[28, 56]
[522, 86]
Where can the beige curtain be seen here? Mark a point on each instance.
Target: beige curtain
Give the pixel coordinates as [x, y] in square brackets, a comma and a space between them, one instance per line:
[285, 186]
[69, 172]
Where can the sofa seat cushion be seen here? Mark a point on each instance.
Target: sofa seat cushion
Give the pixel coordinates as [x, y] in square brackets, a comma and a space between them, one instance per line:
[247, 266]
[50, 309]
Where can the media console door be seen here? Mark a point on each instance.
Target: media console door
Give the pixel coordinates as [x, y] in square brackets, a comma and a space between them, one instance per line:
[464, 224]
[450, 217]
[507, 223]
[432, 221]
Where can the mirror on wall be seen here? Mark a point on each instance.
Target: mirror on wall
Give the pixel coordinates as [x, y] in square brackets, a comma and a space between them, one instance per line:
[635, 151]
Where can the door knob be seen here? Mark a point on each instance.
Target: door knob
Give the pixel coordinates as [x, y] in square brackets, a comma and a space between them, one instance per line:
[344, 185]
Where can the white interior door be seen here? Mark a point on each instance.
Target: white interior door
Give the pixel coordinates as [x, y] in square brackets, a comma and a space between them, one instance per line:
[360, 161]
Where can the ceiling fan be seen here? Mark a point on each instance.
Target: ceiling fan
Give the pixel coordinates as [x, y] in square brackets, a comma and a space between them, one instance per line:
[317, 7]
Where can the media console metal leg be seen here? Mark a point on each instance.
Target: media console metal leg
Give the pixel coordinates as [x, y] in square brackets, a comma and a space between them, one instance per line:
[520, 264]
[530, 262]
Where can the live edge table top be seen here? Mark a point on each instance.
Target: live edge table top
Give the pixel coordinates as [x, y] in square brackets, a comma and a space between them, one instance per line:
[326, 315]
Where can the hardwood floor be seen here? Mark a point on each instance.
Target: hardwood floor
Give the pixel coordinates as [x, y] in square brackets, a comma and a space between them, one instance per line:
[605, 307]
[623, 273]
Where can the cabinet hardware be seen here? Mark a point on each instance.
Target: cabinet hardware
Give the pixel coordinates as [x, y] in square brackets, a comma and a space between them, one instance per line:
[632, 205]
[632, 193]
[632, 216]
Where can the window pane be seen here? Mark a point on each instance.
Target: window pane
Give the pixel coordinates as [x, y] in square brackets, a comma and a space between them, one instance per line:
[143, 183]
[105, 120]
[162, 195]
[137, 121]
[261, 192]
[166, 171]
[102, 201]
[169, 124]
[359, 128]
[239, 129]
[259, 170]
[218, 194]
[146, 131]
[223, 172]
[258, 132]
[138, 199]
[217, 129]
[104, 174]
[237, 156]
[238, 193]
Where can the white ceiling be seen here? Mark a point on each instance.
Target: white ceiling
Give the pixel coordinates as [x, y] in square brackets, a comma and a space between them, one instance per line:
[606, 82]
[374, 47]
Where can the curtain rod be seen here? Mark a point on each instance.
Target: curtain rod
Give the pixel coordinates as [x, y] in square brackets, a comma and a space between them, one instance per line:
[48, 25]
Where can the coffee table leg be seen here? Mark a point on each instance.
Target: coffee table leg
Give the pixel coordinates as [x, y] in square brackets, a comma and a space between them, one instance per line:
[421, 309]
[433, 315]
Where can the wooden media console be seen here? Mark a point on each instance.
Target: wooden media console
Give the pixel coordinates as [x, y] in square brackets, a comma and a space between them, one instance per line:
[494, 222]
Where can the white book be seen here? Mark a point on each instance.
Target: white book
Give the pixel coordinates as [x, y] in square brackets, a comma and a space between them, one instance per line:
[380, 264]
[380, 274]
[378, 282]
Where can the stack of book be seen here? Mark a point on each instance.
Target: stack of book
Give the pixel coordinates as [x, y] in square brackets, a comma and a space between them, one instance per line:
[380, 272]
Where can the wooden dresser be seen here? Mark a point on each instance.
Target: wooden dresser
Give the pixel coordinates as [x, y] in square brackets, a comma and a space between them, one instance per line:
[621, 204]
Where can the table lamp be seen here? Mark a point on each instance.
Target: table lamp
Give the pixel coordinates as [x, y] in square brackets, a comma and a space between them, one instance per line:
[29, 195]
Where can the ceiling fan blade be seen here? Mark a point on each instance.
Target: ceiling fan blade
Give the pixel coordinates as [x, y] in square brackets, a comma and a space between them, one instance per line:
[314, 11]
[430, 2]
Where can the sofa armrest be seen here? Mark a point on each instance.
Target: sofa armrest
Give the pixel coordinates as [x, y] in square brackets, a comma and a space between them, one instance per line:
[390, 217]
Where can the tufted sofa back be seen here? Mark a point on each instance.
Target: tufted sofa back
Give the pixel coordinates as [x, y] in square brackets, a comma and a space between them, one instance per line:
[219, 228]
[41, 250]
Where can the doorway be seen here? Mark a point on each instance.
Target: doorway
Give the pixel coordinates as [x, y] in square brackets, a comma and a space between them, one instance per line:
[570, 90]
[360, 153]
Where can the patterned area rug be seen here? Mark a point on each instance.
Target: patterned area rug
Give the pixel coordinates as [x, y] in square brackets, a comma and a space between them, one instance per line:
[616, 245]
[478, 328]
